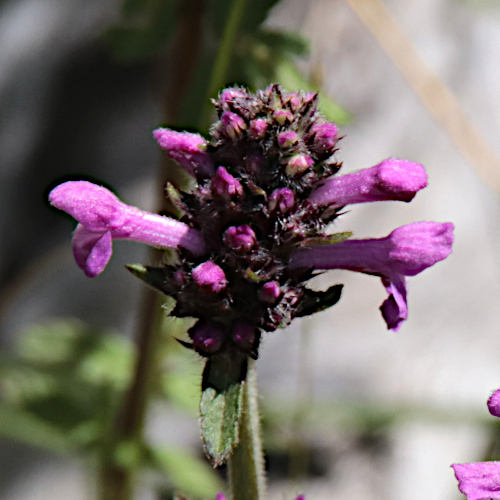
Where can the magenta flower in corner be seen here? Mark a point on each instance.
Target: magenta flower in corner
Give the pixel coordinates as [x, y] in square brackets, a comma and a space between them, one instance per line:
[481, 480]
[254, 231]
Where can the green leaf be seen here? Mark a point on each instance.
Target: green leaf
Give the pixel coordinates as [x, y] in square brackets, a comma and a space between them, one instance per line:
[220, 407]
[153, 276]
[314, 302]
[189, 474]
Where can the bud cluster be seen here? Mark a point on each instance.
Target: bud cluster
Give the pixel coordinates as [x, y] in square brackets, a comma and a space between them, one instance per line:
[268, 151]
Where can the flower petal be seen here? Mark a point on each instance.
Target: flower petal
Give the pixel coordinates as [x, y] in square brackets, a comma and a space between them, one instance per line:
[97, 208]
[494, 403]
[479, 481]
[92, 250]
[187, 149]
[395, 308]
[391, 179]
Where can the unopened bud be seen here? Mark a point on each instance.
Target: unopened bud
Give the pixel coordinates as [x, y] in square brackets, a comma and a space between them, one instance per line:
[283, 116]
[207, 337]
[298, 164]
[258, 128]
[227, 96]
[325, 137]
[210, 277]
[225, 185]
[233, 124]
[288, 139]
[270, 292]
[244, 335]
[283, 199]
[240, 238]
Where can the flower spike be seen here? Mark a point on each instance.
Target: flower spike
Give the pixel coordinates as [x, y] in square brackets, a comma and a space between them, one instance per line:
[391, 179]
[103, 217]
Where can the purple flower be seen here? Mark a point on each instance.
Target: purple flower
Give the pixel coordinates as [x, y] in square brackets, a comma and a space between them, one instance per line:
[391, 179]
[103, 218]
[481, 480]
[407, 251]
[255, 229]
[188, 150]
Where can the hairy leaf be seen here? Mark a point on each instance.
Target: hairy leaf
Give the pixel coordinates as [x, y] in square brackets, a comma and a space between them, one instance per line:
[220, 407]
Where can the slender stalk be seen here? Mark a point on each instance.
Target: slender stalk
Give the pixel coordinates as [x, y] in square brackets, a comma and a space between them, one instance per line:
[223, 58]
[246, 466]
[117, 480]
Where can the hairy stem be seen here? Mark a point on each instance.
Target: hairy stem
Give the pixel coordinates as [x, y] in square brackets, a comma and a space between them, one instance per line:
[246, 466]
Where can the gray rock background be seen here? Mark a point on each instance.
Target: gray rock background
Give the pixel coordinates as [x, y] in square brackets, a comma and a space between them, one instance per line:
[67, 110]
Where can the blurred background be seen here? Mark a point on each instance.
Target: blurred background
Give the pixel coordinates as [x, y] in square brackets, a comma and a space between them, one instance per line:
[350, 410]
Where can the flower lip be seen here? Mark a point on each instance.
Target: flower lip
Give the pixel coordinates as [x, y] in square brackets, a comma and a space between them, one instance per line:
[479, 480]
[103, 217]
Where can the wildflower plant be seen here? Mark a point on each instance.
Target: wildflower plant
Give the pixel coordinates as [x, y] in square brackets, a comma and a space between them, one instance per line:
[250, 235]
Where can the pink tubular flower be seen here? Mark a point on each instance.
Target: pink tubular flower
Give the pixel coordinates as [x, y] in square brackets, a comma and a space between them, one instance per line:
[407, 251]
[481, 480]
[103, 218]
[187, 149]
[392, 179]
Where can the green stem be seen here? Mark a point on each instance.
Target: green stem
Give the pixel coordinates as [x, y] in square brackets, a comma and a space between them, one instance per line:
[246, 466]
[116, 479]
[223, 58]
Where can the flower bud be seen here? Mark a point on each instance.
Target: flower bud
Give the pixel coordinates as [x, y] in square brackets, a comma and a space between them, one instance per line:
[244, 335]
[210, 277]
[325, 137]
[270, 292]
[207, 337]
[233, 124]
[295, 101]
[225, 185]
[227, 96]
[283, 199]
[288, 139]
[240, 238]
[258, 128]
[283, 117]
[298, 164]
